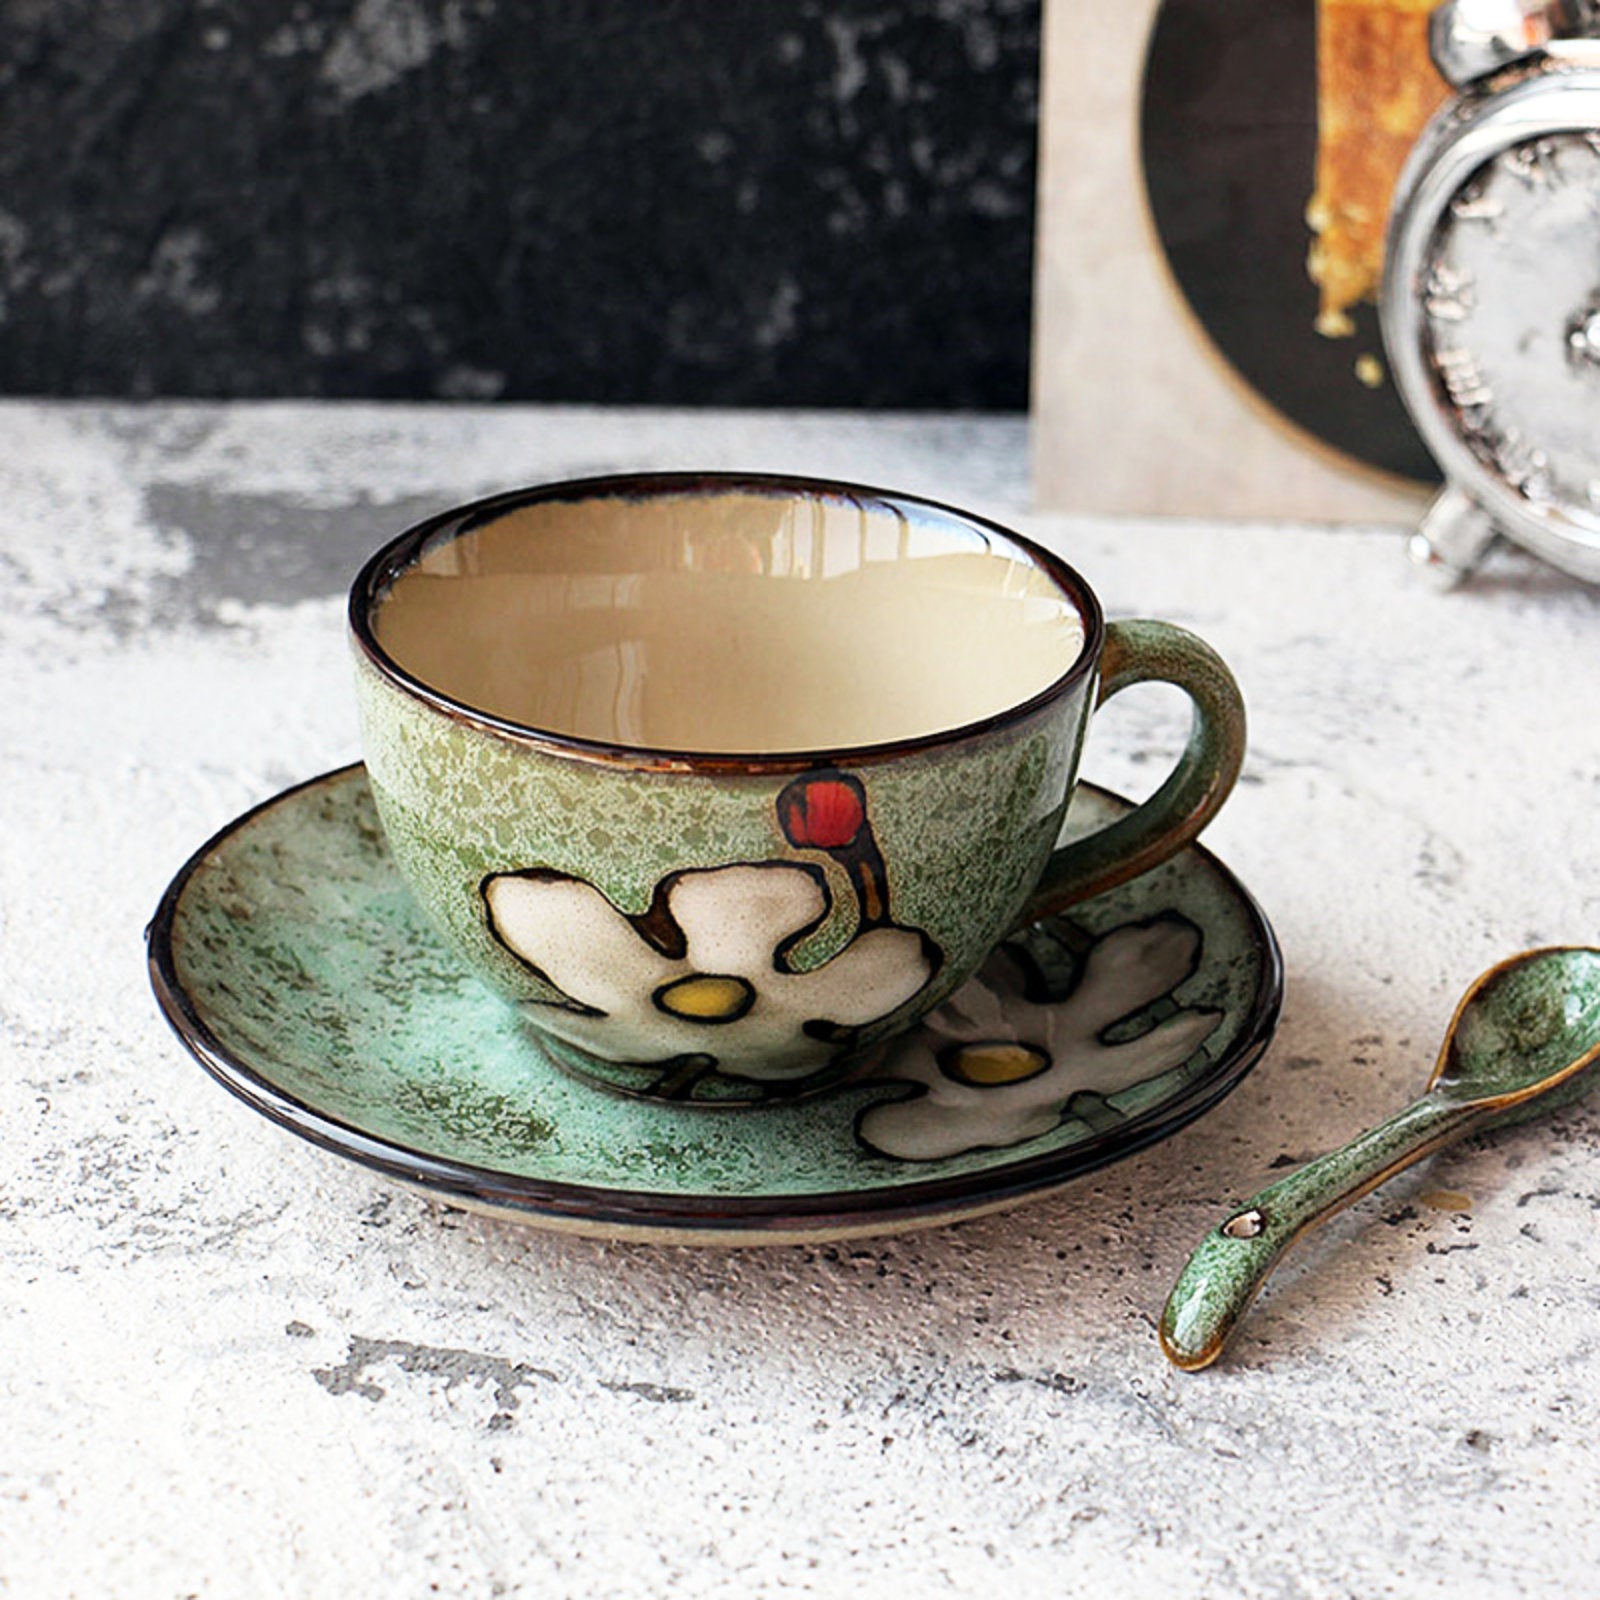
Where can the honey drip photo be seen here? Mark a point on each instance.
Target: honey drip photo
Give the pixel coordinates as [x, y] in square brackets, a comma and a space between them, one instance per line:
[1376, 89]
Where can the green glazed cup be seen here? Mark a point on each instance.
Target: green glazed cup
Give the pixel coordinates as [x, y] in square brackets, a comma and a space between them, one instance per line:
[728, 779]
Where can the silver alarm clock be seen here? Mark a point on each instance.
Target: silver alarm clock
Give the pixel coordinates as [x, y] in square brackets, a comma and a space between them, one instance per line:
[1490, 304]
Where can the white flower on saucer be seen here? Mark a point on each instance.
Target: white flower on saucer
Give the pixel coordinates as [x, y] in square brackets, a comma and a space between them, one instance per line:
[705, 971]
[996, 1069]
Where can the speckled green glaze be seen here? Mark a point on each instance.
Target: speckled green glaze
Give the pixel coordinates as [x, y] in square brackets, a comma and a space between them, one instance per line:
[1524, 1039]
[1140, 652]
[294, 961]
[965, 830]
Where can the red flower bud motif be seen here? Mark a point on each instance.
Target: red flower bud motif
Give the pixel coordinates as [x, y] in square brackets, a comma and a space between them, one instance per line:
[822, 813]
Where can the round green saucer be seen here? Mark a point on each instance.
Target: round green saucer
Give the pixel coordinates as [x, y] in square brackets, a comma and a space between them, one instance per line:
[292, 961]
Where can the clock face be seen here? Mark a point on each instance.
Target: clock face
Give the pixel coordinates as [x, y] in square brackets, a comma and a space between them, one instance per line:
[1510, 301]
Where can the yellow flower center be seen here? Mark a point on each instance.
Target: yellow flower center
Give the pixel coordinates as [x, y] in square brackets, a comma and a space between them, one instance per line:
[706, 997]
[994, 1062]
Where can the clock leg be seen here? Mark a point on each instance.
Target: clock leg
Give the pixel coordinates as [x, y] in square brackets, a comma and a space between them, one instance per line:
[1454, 536]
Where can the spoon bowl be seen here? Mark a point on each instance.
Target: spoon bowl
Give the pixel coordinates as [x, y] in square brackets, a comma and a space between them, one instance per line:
[1524, 1028]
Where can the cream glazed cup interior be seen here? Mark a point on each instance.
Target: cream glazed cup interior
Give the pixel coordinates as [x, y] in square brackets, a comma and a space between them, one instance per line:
[723, 615]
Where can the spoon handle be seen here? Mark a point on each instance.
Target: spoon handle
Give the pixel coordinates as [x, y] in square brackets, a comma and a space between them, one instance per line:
[1234, 1259]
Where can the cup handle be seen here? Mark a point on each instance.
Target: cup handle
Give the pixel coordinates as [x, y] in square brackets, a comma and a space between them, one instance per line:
[1140, 652]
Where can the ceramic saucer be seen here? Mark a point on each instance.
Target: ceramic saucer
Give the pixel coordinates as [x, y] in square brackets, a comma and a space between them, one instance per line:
[291, 960]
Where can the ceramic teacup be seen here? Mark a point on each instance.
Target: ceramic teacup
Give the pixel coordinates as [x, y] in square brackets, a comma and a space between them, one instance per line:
[728, 779]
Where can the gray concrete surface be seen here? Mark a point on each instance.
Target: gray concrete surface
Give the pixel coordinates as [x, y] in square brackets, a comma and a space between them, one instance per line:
[234, 1366]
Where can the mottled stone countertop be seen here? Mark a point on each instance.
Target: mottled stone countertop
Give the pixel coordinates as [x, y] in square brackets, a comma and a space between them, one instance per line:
[236, 1366]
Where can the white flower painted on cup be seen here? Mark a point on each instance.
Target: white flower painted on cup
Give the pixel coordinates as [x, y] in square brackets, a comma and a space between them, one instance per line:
[703, 978]
[705, 971]
[996, 1069]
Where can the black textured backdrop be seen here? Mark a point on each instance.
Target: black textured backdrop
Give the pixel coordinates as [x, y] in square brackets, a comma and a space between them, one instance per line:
[816, 202]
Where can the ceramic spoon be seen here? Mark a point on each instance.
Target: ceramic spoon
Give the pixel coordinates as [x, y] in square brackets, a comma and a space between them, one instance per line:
[1522, 1041]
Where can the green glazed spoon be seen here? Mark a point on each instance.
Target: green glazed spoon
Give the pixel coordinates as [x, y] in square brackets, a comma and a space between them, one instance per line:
[1521, 1042]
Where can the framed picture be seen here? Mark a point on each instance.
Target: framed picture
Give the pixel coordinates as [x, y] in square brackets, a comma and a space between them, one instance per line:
[1214, 184]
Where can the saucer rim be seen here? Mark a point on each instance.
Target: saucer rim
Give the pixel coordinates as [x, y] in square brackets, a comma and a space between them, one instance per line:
[700, 1217]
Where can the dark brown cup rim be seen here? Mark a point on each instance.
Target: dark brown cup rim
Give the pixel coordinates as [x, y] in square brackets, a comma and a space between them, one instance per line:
[381, 571]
